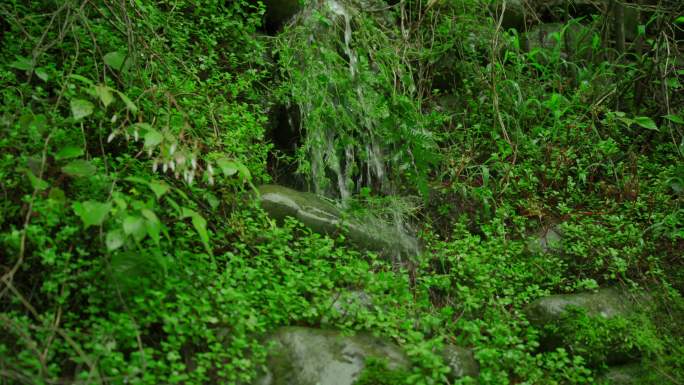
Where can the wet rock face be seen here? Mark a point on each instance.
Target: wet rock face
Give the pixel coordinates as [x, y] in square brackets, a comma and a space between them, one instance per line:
[307, 356]
[323, 217]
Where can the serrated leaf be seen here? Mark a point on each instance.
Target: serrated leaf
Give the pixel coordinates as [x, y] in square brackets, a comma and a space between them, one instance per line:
[134, 226]
[129, 104]
[22, 63]
[115, 59]
[152, 138]
[646, 122]
[105, 94]
[79, 168]
[675, 118]
[42, 74]
[81, 108]
[92, 213]
[69, 152]
[115, 239]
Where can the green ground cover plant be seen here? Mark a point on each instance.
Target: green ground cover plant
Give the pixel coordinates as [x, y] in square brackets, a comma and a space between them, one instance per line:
[133, 136]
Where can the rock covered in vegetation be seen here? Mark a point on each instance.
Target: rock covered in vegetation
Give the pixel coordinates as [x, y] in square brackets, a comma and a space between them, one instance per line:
[461, 362]
[349, 303]
[548, 240]
[599, 326]
[574, 39]
[623, 375]
[606, 303]
[308, 356]
[323, 217]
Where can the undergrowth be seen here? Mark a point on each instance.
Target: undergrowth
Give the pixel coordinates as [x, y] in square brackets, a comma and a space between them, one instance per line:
[133, 134]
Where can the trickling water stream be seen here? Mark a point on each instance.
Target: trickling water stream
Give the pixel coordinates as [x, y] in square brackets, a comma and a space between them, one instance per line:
[359, 128]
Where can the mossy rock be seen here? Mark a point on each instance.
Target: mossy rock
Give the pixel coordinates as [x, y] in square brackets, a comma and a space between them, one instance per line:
[309, 356]
[600, 326]
[323, 217]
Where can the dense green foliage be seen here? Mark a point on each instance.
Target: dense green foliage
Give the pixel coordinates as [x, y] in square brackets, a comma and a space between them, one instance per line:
[132, 135]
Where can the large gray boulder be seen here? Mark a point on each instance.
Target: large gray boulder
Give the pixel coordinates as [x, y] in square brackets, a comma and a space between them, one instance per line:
[606, 303]
[308, 356]
[323, 217]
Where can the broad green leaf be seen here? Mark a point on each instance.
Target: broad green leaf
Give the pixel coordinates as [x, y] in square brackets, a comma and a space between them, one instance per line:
[115, 59]
[679, 20]
[200, 225]
[57, 194]
[152, 138]
[92, 213]
[675, 118]
[81, 79]
[135, 226]
[244, 172]
[228, 167]
[646, 122]
[159, 188]
[69, 152]
[36, 183]
[81, 108]
[79, 168]
[105, 94]
[152, 225]
[22, 63]
[42, 74]
[115, 239]
[129, 104]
